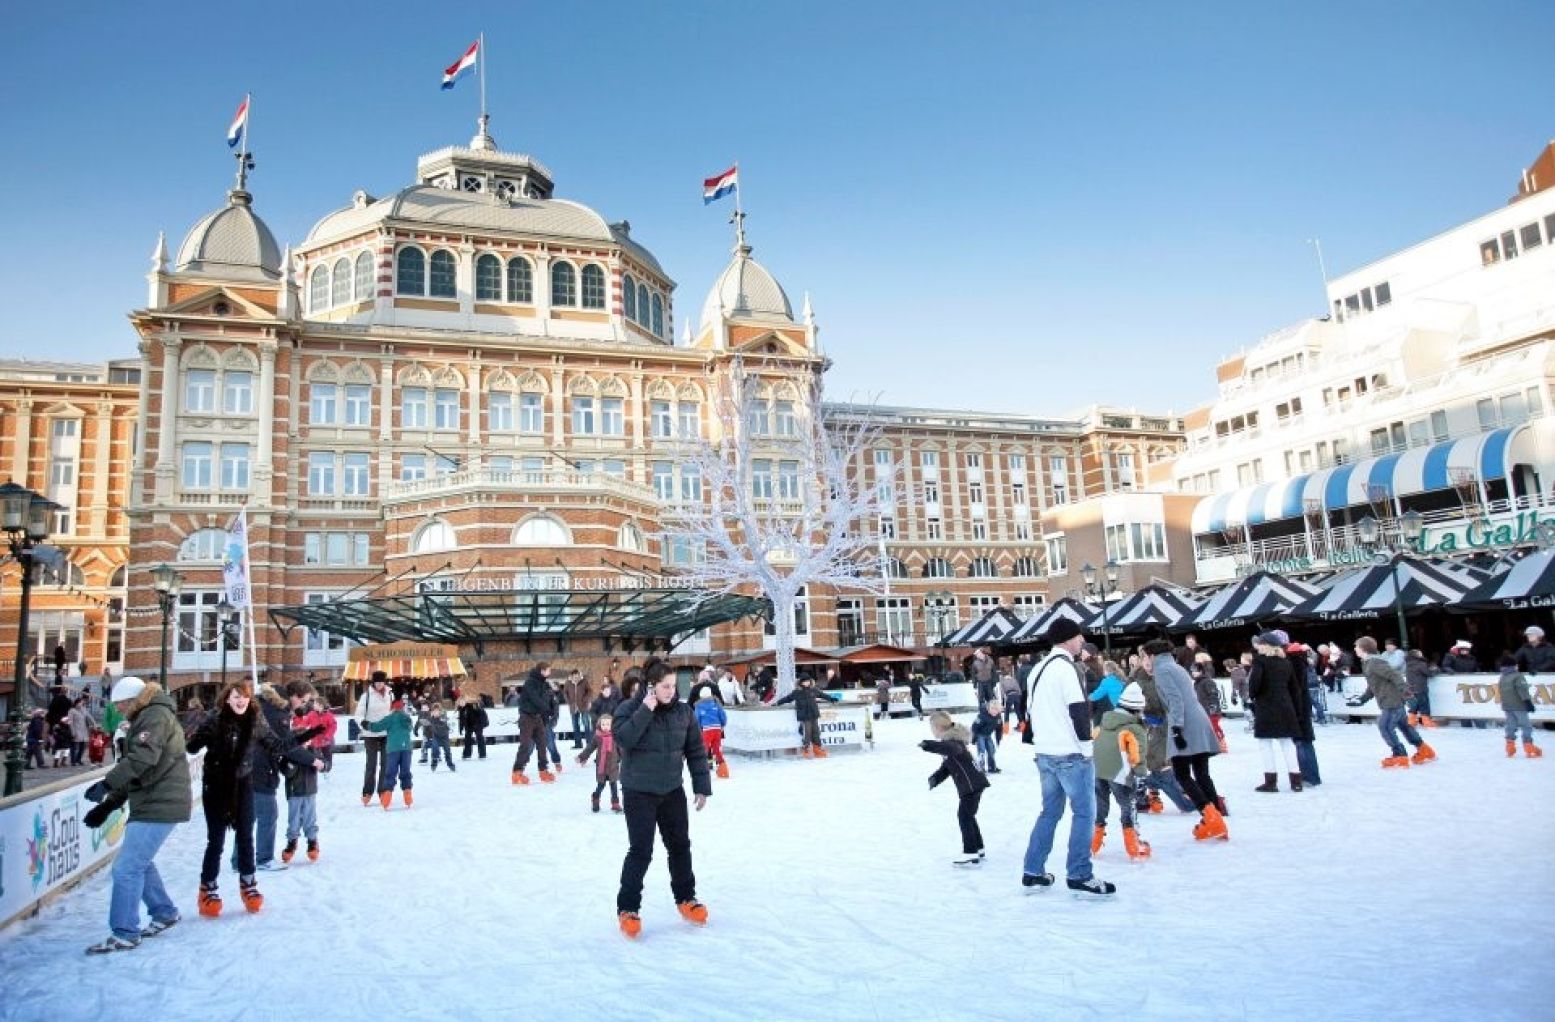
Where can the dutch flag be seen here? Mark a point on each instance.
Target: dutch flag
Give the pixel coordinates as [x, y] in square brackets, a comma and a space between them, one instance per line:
[239, 124]
[461, 67]
[719, 185]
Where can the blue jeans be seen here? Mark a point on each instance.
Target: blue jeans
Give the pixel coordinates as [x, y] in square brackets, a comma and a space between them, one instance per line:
[985, 749]
[1070, 777]
[302, 817]
[267, 810]
[396, 766]
[1166, 781]
[441, 748]
[550, 743]
[582, 727]
[1318, 697]
[135, 879]
[1519, 720]
[1398, 720]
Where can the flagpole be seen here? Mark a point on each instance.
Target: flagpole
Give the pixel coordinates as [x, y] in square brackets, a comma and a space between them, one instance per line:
[248, 120]
[480, 58]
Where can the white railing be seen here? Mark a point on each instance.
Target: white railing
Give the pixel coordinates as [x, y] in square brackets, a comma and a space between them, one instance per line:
[516, 480]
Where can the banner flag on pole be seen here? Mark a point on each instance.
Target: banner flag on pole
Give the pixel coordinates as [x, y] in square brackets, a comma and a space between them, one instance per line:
[234, 563]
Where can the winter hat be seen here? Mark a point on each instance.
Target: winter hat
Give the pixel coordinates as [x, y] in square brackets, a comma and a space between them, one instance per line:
[125, 689]
[1061, 630]
[1133, 697]
[1463, 644]
[398, 704]
[1272, 639]
[1534, 632]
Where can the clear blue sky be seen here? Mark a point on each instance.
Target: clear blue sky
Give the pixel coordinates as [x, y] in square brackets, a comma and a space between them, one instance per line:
[1005, 206]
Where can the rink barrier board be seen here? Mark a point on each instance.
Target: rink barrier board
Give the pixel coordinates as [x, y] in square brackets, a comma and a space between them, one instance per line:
[1460, 697]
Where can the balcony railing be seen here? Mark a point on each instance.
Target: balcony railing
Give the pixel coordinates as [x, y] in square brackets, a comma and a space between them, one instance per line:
[517, 481]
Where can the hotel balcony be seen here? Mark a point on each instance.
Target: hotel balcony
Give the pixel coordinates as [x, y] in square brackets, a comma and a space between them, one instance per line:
[517, 481]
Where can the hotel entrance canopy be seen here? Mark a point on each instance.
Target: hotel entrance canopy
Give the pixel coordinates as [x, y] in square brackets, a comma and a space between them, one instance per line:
[626, 619]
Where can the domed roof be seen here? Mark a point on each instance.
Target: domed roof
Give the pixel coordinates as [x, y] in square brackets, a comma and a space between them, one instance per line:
[745, 290]
[231, 243]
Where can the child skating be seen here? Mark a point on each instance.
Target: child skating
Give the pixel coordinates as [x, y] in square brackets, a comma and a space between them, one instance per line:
[434, 735]
[712, 719]
[1120, 765]
[950, 742]
[1517, 704]
[985, 735]
[396, 756]
[607, 761]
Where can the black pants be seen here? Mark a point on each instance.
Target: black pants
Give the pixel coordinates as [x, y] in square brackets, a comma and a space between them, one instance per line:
[374, 748]
[474, 740]
[531, 734]
[810, 732]
[216, 825]
[966, 816]
[1193, 774]
[645, 812]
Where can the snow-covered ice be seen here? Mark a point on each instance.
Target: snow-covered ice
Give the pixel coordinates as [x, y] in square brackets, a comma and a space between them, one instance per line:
[1419, 894]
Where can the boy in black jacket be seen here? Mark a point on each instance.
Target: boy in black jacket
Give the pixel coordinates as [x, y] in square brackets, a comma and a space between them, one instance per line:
[950, 741]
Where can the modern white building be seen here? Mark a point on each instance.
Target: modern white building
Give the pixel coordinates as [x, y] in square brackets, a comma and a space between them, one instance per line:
[1427, 388]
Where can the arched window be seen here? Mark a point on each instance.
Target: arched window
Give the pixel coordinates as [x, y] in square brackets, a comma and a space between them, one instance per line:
[658, 316]
[631, 538]
[116, 580]
[434, 535]
[340, 282]
[364, 277]
[936, 567]
[488, 279]
[642, 304]
[541, 531]
[982, 567]
[318, 289]
[521, 281]
[1025, 567]
[204, 545]
[593, 287]
[895, 568]
[442, 277]
[564, 284]
[65, 573]
[410, 275]
[629, 296]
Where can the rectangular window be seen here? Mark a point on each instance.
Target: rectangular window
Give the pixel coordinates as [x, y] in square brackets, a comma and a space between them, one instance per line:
[761, 479]
[321, 474]
[930, 492]
[583, 416]
[1023, 531]
[974, 467]
[928, 462]
[446, 408]
[356, 474]
[62, 471]
[893, 617]
[1379, 441]
[359, 404]
[413, 408]
[321, 404]
[197, 466]
[1439, 425]
[531, 413]
[690, 483]
[1489, 254]
[1304, 460]
[756, 421]
[1384, 292]
[1057, 555]
[1058, 477]
[974, 492]
[690, 418]
[612, 416]
[1017, 463]
[501, 464]
[499, 412]
[1535, 402]
[787, 423]
[1486, 407]
[887, 527]
[664, 480]
[615, 468]
[1514, 409]
[1509, 245]
[1125, 469]
[979, 529]
[200, 390]
[234, 466]
[1117, 542]
[413, 467]
[660, 423]
[237, 393]
[936, 530]
[444, 465]
[788, 480]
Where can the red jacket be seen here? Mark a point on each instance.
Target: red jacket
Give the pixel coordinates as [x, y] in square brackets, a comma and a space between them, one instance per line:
[317, 718]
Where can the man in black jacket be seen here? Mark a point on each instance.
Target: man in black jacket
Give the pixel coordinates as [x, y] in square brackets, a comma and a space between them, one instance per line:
[657, 736]
[1536, 656]
[536, 702]
[806, 699]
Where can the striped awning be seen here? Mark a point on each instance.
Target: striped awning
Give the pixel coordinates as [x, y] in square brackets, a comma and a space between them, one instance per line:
[404, 660]
[1036, 627]
[1151, 607]
[1418, 470]
[1526, 584]
[1246, 602]
[1369, 592]
[995, 626]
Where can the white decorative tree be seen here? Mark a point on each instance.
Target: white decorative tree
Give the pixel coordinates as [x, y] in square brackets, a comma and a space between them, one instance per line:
[787, 505]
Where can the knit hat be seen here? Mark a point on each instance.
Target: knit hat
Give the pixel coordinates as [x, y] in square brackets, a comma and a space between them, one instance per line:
[1534, 632]
[126, 688]
[1133, 697]
[398, 704]
[1463, 644]
[1061, 630]
[1272, 639]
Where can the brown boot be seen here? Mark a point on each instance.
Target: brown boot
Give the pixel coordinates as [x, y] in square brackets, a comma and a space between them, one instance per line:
[1295, 782]
[1269, 783]
[1097, 837]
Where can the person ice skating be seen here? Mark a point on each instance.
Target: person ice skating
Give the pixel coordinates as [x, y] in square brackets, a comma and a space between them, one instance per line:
[36, 738]
[1393, 655]
[396, 755]
[371, 708]
[230, 733]
[985, 731]
[1387, 686]
[578, 696]
[1104, 696]
[1207, 692]
[302, 784]
[659, 738]
[60, 741]
[317, 718]
[1060, 725]
[607, 761]
[1300, 658]
[1193, 741]
[1276, 691]
[1009, 697]
[434, 731]
[153, 777]
[806, 699]
[712, 719]
[1120, 766]
[1160, 777]
[1517, 704]
[915, 693]
[882, 696]
[729, 689]
[535, 702]
[1418, 672]
[950, 743]
[473, 721]
[267, 772]
[80, 729]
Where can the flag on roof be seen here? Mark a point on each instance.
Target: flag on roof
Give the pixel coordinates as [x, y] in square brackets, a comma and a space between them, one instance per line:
[239, 124]
[719, 185]
[463, 66]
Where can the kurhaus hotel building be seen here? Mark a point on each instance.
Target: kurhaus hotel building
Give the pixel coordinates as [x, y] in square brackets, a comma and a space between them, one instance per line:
[456, 413]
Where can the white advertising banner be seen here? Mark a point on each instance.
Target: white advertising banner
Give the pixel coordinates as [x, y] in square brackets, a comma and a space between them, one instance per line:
[774, 729]
[1460, 697]
[951, 696]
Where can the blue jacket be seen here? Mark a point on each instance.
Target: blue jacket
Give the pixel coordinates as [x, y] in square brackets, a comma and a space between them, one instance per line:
[1109, 688]
[710, 713]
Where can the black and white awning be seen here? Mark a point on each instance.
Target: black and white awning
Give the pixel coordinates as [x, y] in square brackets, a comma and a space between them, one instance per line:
[996, 626]
[1245, 603]
[1369, 592]
[1528, 583]
[1035, 628]
[1152, 607]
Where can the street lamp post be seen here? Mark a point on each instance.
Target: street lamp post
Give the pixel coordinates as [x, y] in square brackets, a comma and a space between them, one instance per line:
[167, 582]
[938, 604]
[1411, 526]
[24, 518]
[1108, 584]
[225, 614]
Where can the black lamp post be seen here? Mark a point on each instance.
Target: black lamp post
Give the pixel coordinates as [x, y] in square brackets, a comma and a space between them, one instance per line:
[226, 614]
[24, 518]
[167, 582]
[1411, 526]
[1108, 584]
[938, 604]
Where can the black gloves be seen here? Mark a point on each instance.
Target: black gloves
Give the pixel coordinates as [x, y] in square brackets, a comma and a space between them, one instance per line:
[1178, 740]
[97, 792]
[933, 781]
[98, 814]
[1530, 706]
[924, 745]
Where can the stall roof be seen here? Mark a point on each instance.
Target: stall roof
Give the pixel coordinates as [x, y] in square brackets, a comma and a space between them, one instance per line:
[802, 657]
[628, 618]
[875, 653]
